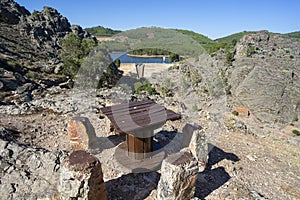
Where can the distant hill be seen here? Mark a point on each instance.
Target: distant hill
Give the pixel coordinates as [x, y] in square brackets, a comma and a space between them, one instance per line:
[211, 46]
[237, 36]
[234, 37]
[293, 35]
[196, 36]
[102, 31]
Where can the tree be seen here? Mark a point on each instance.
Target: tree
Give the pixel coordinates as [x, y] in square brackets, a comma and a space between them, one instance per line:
[117, 62]
[173, 57]
[74, 50]
[229, 57]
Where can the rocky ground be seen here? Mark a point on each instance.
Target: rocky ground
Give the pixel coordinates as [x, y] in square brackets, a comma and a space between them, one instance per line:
[241, 165]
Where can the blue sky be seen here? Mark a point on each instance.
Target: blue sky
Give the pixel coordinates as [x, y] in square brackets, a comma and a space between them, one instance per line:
[212, 18]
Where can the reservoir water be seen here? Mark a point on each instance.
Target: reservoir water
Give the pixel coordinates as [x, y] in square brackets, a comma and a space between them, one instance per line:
[124, 58]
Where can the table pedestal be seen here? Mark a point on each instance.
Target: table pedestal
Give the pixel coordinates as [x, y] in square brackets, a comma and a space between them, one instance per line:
[139, 147]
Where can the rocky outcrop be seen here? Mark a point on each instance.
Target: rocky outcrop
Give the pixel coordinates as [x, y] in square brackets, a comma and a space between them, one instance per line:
[197, 144]
[45, 28]
[265, 77]
[81, 133]
[178, 177]
[27, 172]
[81, 178]
[11, 12]
[29, 48]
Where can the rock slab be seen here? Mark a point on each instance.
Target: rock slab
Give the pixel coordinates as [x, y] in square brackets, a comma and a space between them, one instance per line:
[178, 176]
[82, 177]
[194, 138]
[81, 133]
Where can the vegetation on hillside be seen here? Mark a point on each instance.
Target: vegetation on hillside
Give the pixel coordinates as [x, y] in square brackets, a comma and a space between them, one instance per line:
[74, 50]
[173, 57]
[230, 39]
[102, 31]
[293, 35]
[149, 51]
[201, 39]
[210, 45]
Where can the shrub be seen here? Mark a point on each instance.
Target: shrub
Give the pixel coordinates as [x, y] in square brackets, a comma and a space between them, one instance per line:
[74, 50]
[117, 62]
[144, 86]
[164, 91]
[229, 57]
[35, 15]
[174, 57]
[195, 108]
[296, 132]
[250, 51]
[233, 42]
[235, 113]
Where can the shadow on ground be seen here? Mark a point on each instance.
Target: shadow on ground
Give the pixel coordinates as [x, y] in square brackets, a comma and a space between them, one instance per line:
[132, 186]
[211, 179]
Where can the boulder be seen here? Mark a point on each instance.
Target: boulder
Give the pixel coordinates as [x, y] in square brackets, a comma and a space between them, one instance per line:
[178, 176]
[194, 138]
[81, 133]
[82, 178]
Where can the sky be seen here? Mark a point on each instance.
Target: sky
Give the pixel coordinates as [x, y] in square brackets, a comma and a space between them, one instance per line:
[212, 18]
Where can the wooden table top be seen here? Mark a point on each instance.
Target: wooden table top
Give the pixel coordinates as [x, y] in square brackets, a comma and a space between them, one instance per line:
[136, 117]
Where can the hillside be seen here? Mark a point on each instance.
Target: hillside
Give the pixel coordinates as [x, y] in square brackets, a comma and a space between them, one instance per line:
[201, 39]
[294, 35]
[234, 37]
[237, 36]
[102, 31]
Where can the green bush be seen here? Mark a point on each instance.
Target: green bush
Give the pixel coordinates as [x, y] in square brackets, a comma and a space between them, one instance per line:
[173, 57]
[195, 108]
[229, 57]
[117, 62]
[236, 113]
[250, 51]
[296, 118]
[35, 15]
[144, 86]
[32, 75]
[296, 132]
[164, 91]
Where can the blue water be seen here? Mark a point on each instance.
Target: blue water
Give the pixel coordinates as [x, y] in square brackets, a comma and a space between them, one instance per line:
[124, 58]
